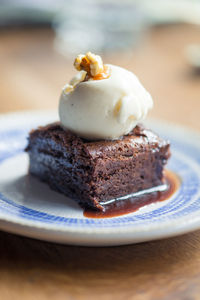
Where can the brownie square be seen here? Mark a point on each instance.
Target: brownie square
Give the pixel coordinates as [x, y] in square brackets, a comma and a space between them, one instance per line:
[93, 172]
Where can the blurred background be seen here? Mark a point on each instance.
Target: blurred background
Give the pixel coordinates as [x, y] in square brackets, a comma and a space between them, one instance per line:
[158, 40]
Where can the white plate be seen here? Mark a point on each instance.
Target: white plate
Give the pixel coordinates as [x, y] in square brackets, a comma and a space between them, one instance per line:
[28, 207]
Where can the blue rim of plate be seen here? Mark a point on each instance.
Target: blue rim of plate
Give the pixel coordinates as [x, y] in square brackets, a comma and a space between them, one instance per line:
[185, 162]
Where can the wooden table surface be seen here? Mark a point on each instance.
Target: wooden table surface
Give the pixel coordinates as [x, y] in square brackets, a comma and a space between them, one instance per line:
[32, 74]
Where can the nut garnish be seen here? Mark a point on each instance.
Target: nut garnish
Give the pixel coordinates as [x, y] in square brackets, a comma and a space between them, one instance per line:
[90, 67]
[92, 64]
[68, 88]
[96, 64]
[78, 78]
[78, 61]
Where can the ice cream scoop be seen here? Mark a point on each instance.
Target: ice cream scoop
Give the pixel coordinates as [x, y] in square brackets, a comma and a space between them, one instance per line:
[105, 105]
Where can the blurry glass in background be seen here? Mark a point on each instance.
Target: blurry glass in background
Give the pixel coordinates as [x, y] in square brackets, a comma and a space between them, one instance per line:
[105, 25]
[97, 25]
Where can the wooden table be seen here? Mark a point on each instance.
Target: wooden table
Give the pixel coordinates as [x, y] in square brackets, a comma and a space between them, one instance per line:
[32, 74]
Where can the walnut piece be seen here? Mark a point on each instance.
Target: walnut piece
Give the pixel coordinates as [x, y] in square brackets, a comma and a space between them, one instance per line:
[78, 78]
[90, 63]
[68, 88]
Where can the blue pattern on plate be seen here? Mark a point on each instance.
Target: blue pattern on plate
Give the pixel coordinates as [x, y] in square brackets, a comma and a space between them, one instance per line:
[186, 200]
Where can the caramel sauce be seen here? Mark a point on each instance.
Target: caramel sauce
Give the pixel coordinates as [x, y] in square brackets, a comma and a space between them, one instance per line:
[105, 74]
[131, 203]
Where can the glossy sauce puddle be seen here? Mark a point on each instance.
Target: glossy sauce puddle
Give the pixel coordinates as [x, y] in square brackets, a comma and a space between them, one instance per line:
[131, 203]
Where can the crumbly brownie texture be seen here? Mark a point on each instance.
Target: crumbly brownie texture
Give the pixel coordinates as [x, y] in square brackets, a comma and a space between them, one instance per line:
[94, 172]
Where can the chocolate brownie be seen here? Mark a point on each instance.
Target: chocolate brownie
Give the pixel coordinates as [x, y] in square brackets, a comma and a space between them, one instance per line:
[92, 172]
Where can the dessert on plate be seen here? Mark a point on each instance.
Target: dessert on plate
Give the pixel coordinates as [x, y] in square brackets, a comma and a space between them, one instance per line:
[99, 151]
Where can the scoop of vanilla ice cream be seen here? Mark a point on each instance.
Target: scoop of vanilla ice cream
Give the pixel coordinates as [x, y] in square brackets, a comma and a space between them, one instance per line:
[107, 108]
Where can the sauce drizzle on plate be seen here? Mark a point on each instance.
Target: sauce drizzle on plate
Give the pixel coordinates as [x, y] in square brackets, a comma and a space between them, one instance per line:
[131, 203]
